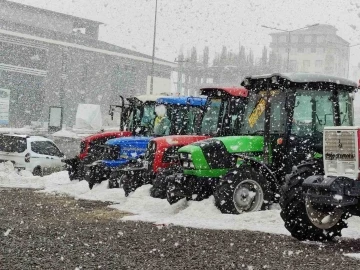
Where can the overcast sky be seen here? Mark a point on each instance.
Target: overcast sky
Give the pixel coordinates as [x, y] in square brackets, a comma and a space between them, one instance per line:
[129, 23]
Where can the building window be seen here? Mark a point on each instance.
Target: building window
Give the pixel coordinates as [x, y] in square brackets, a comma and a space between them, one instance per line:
[307, 50]
[320, 50]
[318, 63]
[306, 63]
[308, 39]
[301, 49]
[282, 39]
[313, 50]
[320, 39]
[294, 39]
[293, 65]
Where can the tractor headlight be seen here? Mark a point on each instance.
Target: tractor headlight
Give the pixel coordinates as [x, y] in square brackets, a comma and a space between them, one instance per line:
[186, 161]
[185, 156]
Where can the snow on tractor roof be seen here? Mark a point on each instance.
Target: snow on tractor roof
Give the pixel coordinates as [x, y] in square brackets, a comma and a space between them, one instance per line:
[233, 91]
[145, 98]
[193, 101]
[302, 78]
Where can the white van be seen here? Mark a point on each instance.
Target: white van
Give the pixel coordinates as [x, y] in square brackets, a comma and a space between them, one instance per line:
[36, 154]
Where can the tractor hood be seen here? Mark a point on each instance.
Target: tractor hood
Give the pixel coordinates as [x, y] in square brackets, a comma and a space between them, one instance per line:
[231, 144]
[216, 153]
[129, 148]
[175, 140]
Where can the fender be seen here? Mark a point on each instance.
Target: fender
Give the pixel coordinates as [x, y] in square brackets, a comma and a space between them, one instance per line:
[331, 190]
[261, 166]
[317, 163]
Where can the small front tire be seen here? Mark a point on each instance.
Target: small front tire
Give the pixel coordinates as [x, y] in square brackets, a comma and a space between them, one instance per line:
[243, 190]
[38, 171]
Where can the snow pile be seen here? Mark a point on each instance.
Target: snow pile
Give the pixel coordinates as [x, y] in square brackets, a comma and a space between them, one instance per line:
[194, 214]
[66, 134]
[10, 177]
[353, 255]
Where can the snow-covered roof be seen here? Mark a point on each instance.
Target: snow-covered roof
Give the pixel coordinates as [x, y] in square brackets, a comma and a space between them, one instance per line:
[304, 78]
[145, 98]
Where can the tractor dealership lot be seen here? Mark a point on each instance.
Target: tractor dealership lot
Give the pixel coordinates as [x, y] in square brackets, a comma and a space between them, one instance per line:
[63, 225]
[44, 231]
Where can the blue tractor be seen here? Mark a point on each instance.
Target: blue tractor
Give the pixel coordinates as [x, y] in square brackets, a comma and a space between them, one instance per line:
[171, 116]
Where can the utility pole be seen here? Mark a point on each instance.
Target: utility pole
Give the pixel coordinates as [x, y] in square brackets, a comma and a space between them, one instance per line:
[153, 54]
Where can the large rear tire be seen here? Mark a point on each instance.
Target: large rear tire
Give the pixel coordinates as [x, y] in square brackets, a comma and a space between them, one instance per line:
[294, 209]
[243, 190]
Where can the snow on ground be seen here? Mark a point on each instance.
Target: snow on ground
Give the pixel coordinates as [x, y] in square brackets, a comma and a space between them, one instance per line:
[353, 255]
[65, 133]
[201, 214]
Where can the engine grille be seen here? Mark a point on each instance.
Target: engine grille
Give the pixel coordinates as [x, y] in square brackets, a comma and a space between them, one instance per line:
[340, 145]
[150, 153]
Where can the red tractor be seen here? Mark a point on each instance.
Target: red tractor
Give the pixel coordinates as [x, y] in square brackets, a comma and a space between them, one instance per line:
[222, 117]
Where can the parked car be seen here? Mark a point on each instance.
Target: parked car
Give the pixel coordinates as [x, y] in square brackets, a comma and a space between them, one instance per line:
[36, 154]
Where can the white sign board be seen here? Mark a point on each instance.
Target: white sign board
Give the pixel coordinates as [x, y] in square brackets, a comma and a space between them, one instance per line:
[161, 85]
[4, 106]
[55, 117]
[88, 116]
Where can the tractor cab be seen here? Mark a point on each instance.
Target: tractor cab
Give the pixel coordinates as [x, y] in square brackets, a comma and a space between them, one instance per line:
[139, 115]
[290, 112]
[224, 111]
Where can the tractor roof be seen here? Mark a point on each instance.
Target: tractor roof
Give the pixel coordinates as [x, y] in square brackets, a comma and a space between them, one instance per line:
[299, 78]
[232, 91]
[193, 101]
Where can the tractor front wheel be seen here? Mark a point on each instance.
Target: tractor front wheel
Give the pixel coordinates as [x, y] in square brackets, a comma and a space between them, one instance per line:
[130, 182]
[242, 190]
[304, 220]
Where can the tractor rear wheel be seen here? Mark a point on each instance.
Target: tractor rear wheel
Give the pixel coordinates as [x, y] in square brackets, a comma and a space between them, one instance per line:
[242, 190]
[304, 220]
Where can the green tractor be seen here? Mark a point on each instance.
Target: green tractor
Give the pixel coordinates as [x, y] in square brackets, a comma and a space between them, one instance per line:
[283, 125]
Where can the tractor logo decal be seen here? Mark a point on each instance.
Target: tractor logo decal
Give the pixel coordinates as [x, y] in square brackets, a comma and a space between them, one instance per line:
[260, 107]
[258, 110]
[332, 156]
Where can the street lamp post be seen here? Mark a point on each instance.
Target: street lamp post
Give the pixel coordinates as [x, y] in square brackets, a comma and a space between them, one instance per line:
[288, 43]
[179, 84]
[153, 53]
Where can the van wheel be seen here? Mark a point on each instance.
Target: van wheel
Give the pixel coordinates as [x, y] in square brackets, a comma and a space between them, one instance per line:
[37, 172]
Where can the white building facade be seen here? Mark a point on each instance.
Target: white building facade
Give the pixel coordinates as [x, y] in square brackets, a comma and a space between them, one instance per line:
[316, 49]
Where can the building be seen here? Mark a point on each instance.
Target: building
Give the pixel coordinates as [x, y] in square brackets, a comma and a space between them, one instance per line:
[53, 59]
[316, 49]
